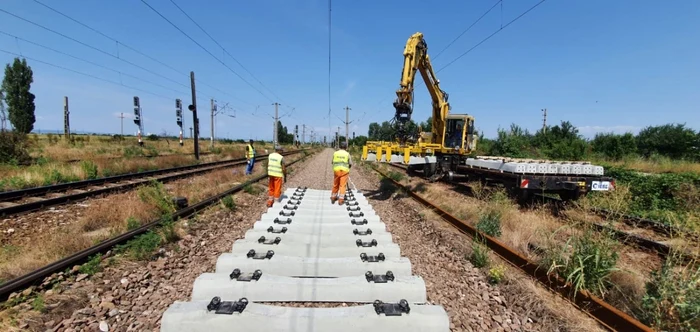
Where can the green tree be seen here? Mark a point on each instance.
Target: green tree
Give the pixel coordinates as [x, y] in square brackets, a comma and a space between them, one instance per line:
[614, 146]
[673, 141]
[20, 102]
[3, 114]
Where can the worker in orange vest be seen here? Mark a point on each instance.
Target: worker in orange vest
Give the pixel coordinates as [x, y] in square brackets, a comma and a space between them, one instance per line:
[341, 171]
[277, 173]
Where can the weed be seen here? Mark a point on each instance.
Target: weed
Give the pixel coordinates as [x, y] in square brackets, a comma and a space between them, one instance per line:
[480, 255]
[53, 177]
[92, 266]
[496, 274]
[132, 151]
[132, 223]
[490, 222]
[672, 299]
[38, 304]
[142, 246]
[251, 189]
[588, 264]
[155, 194]
[228, 202]
[89, 168]
[396, 176]
[168, 231]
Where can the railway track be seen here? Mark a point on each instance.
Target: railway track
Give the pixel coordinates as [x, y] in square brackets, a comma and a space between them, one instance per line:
[33, 199]
[305, 249]
[604, 313]
[662, 232]
[24, 281]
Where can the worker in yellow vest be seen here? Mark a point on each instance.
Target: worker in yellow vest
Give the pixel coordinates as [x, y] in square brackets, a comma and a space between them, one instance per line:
[277, 173]
[250, 157]
[341, 170]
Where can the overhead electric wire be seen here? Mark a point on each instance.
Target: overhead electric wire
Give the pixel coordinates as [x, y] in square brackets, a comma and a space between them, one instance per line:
[225, 51]
[88, 61]
[202, 47]
[92, 47]
[491, 35]
[85, 74]
[469, 28]
[138, 52]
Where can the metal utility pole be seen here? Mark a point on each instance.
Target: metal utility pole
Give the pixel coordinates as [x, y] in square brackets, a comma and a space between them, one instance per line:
[347, 123]
[191, 135]
[544, 120]
[303, 134]
[195, 120]
[274, 132]
[337, 137]
[213, 109]
[66, 122]
[122, 120]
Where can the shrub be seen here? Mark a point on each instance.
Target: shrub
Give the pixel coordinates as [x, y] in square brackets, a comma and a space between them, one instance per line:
[89, 168]
[14, 148]
[490, 222]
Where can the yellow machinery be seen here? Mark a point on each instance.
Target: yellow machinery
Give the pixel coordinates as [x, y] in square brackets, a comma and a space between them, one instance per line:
[452, 137]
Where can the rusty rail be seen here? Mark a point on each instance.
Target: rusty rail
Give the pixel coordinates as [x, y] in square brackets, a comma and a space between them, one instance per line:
[604, 313]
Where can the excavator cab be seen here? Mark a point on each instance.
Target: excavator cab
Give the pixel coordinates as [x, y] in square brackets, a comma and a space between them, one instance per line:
[459, 133]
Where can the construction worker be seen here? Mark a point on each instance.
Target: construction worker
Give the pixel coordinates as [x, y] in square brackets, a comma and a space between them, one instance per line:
[276, 172]
[341, 170]
[250, 157]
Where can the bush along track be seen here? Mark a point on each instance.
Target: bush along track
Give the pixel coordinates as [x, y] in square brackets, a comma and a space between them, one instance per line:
[598, 309]
[139, 239]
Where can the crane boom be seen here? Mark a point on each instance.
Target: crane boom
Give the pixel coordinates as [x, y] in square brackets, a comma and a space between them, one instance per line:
[416, 59]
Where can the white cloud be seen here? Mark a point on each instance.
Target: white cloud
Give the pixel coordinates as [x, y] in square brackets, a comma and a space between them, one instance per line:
[620, 129]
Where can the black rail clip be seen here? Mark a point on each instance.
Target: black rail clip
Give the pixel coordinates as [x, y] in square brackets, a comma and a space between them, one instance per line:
[180, 202]
[353, 208]
[227, 307]
[286, 214]
[352, 203]
[361, 243]
[367, 258]
[294, 201]
[282, 221]
[359, 214]
[236, 274]
[276, 231]
[263, 240]
[251, 254]
[290, 207]
[379, 278]
[391, 309]
[358, 222]
[298, 196]
[362, 233]
[300, 190]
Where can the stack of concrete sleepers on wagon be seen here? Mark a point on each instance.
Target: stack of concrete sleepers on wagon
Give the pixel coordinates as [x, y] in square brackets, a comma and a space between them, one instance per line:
[305, 249]
[529, 166]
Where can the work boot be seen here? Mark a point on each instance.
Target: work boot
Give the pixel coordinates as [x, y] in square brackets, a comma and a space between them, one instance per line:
[270, 202]
[333, 200]
[341, 201]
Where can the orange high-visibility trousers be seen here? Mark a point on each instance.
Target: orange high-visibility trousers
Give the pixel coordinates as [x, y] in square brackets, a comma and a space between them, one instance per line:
[340, 181]
[274, 188]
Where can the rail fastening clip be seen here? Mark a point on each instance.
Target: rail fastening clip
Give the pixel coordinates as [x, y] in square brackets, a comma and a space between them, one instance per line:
[290, 207]
[391, 309]
[353, 208]
[358, 222]
[283, 221]
[359, 232]
[286, 214]
[359, 214]
[251, 254]
[361, 243]
[367, 258]
[263, 240]
[227, 307]
[276, 231]
[236, 274]
[379, 278]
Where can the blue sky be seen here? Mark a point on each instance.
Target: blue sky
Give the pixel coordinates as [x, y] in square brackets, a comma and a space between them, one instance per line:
[603, 65]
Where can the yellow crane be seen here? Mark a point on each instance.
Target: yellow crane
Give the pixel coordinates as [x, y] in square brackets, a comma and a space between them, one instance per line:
[452, 137]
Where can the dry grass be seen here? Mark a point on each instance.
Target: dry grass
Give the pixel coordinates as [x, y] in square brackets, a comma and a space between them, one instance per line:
[658, 165]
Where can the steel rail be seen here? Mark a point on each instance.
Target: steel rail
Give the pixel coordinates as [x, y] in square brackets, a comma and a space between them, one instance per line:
[28, 279]
[607, 315]
[180, 172]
